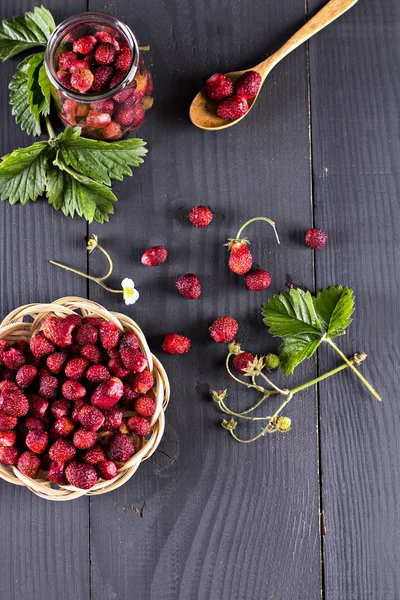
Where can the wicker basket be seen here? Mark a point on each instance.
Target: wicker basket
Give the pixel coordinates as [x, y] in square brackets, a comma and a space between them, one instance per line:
[26, 321]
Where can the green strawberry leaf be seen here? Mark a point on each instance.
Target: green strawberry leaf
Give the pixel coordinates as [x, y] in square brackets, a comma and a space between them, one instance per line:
[75, 194]
[335, 306]
[294, 350]
[291, 314]
[23, 173]
[100, 160]
[45, 87]
[25, 32]
[28, 117]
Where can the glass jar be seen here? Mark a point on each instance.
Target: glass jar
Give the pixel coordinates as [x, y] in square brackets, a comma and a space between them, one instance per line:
[121, 96]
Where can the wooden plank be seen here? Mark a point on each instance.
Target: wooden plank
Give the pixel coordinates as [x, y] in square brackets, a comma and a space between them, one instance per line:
[355, 110]
[47, 553]
[207, 517]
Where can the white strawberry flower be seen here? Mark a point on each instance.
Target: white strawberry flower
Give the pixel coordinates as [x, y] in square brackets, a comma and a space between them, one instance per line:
[130, 294]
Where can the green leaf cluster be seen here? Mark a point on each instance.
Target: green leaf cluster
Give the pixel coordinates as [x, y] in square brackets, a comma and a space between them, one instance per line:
[25, 32]
[74, 173]
[303, 321]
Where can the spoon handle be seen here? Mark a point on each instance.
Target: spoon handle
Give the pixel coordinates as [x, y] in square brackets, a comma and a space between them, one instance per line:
[331, 11]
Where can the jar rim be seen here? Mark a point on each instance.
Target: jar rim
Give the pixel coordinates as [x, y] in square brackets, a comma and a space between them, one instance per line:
[61, 31]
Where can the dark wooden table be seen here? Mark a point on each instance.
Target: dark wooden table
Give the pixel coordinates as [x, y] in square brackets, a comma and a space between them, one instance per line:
[208, 518]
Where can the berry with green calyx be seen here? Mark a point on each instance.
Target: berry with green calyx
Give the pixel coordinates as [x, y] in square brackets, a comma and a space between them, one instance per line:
[271, 361]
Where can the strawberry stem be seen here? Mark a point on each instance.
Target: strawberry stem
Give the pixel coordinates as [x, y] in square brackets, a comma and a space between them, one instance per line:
[50, 129]
[258, 219]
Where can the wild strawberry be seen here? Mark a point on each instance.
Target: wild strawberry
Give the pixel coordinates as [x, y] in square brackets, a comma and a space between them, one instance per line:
[37, 440]
[219, 86]
[4, 345]
[91, 418]
[56, 473]
[37, 406]
[75, 318]
[8, 438]
[97, 374]
[25, 376]
[107, 394]
[258, 280]
[94, 321]
[62, 450]
[78, 64]
[32, 423]
[60, 408]
[86, 334]
[316, 238]
[124, 59]
[93, 455]
[76, 368]
[73, 390]
[139, 426]
[242, 361]
[176, 344]
[145, 406]
[82, 79]
[66, 60]
[129, 340]
[85, 44]
[109, 335]
[117, 78]
[29, 463]
[8, 455]
[103, 106]
[112, 419]
[121, 448]
[13, 359]
[92, 353]
[84, 439]
[240, 258]
[113, 131]
[127, 95]
[107, 469]
[232, 108]
[48, 385]
[134, 360]
[248, 84]
[142, 382]
[58, 331]
[189, 286]
[113, 353]
[64, 77]
[56, 361]
[117, 368]
[81, 475]
[154, 256]
[128, 397]
[76, 408]
[96, 120]
[105, 38]
[138, 116]
[125, 115]
[7, 421]
[200, 216]
[64, 426]
[104, 54]
[101, 78]
[12, 400]
[224, 329]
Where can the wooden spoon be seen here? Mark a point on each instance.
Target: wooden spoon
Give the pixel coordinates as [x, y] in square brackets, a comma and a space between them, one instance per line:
[203, 111]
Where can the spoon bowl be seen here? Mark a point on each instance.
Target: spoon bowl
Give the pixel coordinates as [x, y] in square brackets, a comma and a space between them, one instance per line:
[203, 111]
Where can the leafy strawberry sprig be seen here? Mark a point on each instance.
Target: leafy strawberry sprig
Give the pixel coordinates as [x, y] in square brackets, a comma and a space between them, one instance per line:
[74, 173]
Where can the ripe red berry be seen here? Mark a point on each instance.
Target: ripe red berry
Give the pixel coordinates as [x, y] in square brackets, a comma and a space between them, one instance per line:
[37, 406]
[113, 131]
[142, 382]
[32, 423]
[103, 106]
[128, 397]
[107, 469]
[64, 426]
[242, 361]
[37, 440]
[56, 473]
[248, 84]
[96, 120]
[224, 329]
[90, 417]
[59, 331]
[112, 419]
[200, 216]
[134, 360]
[107, 394]
[78, 64]
[154, 256]
[60, 408]
[189, 286]
[121, 448]
[232, 108]
[84, 439]
[62, 450]
[13, 359]
[101, 78]
[4, 345]
[81, 475]
[129, 340]
[92, 353]
[86, 334]
[73, 390]
[97, 374]
[124, 59]
[240, 258]
[104, 54]
[258, 280]
[109, 335]
[56, 361]
[76, 368]
[93, 455]
[125, 115]
[139, 426]
[145, 406]
[48, 385]
[7, 421]
[12, 401]
[8, 455]
[40, 345]
[85, 44]
[219, 86]
[25, 376]
[127, 95]
[176, 344]
[316, 238]
[82, 79]
[29, 463]
[66, 60]
[8, 438]
[117, 78]
[106, 38]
